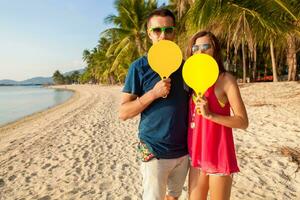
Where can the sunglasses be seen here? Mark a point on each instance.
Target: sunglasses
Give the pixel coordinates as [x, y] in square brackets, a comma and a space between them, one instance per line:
[202, 47]
[166, 30]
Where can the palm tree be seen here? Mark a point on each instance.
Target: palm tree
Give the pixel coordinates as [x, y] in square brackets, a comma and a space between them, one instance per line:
[58, 78]
[86, 55]
[181, 9]
[131, 23]
[231, 21]
[293, 39]
[126, 39]
[242, 17]
[247, 29]
[75, 77]
[280, 6]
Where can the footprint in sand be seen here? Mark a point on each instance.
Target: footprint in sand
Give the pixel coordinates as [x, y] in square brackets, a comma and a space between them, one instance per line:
[85, 155]
[11, 178]
[78, 170]
[124, 166]
[49, 188]
[105, 186]
[45, 198]
[2, 183]
[27, 179]
[46, 166]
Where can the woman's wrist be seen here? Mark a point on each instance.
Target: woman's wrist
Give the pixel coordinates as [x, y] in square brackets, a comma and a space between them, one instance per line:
[210, 116]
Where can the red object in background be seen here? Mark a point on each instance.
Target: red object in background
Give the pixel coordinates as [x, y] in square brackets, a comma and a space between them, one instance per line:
[265, 78]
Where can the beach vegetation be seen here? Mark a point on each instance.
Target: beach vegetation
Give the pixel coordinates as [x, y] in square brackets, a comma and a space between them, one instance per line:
[255, 35]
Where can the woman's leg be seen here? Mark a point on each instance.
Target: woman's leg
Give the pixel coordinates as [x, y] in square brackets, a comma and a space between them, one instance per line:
[220, 187]
[198, 184]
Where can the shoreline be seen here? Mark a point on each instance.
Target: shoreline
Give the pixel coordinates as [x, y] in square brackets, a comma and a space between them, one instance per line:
[37, 114]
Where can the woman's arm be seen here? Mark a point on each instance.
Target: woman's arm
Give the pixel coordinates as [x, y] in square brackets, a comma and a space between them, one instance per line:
[239, 118]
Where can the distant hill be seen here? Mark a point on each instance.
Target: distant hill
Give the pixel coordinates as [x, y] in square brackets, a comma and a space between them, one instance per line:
[36, 80]
[8, 82]
[32, 81]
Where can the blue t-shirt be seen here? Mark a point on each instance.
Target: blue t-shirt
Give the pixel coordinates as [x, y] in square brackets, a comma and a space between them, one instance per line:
[163, 124]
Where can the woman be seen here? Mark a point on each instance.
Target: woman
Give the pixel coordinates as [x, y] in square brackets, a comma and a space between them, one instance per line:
[213, 159]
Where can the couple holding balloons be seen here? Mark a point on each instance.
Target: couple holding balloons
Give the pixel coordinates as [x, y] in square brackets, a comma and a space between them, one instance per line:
[183, 128]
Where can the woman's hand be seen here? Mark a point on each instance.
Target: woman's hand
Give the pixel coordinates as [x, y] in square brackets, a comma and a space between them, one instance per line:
[202, 106]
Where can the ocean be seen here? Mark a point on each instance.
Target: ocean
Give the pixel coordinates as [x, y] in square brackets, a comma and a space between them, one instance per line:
[19, 101]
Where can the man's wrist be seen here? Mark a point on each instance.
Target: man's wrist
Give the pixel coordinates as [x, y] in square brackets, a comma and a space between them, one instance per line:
[140, 102]
[152, 94]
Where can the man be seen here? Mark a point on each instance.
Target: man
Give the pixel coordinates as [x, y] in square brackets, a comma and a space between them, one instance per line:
[163, 124]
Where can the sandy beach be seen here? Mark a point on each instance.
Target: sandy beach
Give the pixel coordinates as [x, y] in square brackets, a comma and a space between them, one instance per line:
[81, 150]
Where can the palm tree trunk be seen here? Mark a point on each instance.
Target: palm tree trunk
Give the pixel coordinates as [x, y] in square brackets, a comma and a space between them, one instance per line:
[250, 61]
[139, 44]
[243, 48]
[254, 62]
[273, 61]
[191, 2]
[235, 60]
[112, 80]
[291, 58]
[228, 50]
[244, 60]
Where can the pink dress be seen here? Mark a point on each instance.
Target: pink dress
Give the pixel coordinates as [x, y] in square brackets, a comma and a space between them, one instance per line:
[211, 145]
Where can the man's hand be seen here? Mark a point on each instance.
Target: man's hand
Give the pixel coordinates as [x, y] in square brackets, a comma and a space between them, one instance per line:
[162, 88]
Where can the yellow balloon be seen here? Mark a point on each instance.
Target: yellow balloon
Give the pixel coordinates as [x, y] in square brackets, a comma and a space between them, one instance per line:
[164, 58]
[200, 72]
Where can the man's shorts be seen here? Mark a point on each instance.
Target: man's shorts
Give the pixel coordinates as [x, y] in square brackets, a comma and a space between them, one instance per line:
[161, 176]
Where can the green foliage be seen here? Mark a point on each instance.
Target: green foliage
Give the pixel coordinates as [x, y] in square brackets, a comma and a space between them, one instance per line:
[59, 79]
[239, 24]
[120, 45]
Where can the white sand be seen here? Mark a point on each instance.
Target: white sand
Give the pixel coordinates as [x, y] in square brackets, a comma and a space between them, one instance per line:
[80, 150]
[274, 116]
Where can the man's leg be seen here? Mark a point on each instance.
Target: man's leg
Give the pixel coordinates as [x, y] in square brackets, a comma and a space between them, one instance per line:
[177, 178]
[155, 175]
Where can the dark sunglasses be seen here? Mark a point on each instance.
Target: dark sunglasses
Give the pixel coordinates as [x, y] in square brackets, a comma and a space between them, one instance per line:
[166, 30]
[202, 47]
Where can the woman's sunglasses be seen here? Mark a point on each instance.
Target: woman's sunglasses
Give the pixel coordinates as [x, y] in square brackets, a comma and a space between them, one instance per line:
[202, 47]
[166, 30]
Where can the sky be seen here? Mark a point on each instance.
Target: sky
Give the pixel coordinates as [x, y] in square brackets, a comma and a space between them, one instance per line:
[38, 37]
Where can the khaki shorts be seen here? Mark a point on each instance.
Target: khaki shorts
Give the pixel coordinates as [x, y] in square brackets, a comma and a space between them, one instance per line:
[161, 176]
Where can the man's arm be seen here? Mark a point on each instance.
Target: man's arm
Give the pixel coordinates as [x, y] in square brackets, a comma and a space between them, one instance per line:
[131, 105]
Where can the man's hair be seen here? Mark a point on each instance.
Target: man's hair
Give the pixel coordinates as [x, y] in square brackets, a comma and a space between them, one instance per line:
[163, 12]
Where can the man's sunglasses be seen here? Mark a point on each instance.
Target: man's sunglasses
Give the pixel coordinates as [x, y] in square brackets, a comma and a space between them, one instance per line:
[202, 47]
[166, 30]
